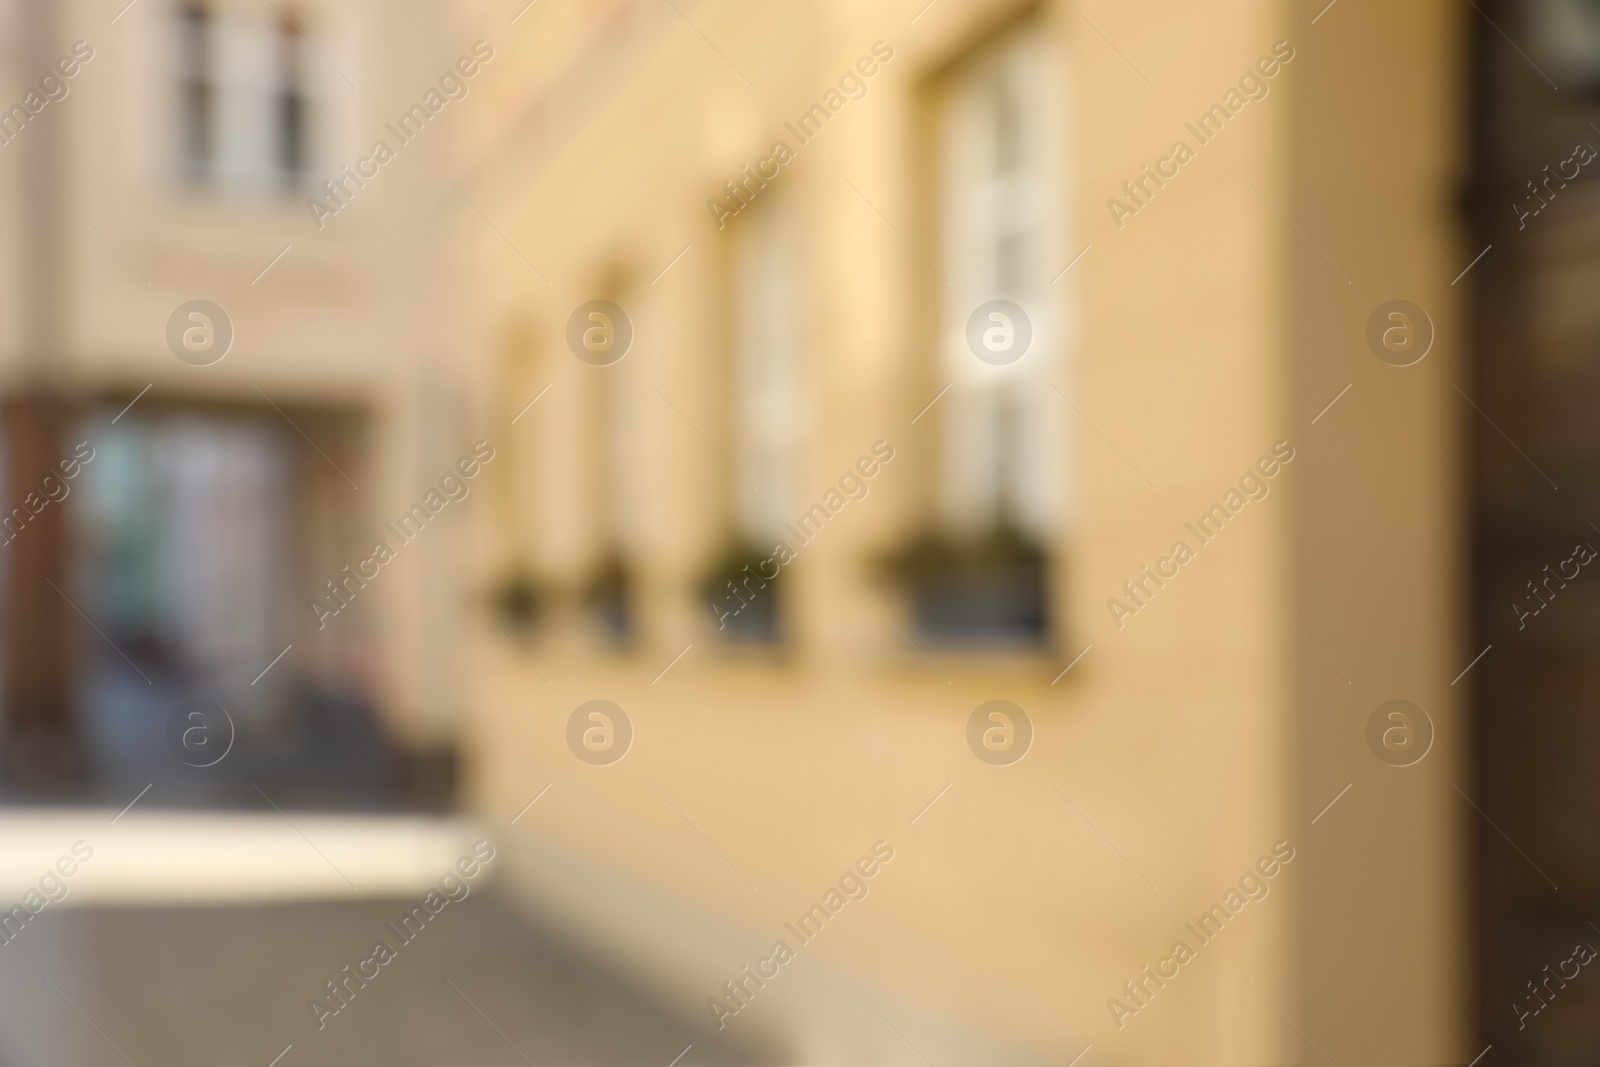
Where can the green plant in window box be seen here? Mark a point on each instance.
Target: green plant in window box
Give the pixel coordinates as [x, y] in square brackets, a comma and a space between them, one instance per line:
[609, 593]
[518, 598]
[992, 587]
[743, 589]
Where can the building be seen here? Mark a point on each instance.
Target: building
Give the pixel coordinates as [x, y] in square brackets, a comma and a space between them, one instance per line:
[245, 450]
[793, 217]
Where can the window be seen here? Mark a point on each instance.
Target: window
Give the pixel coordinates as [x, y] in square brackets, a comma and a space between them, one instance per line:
[290, 110]
[980, 574]
[197, 94]
[998, 217]
[766, 348]
[243, 112]
[1566, 36]
[768, 419]
[622, 467]
[188, 562]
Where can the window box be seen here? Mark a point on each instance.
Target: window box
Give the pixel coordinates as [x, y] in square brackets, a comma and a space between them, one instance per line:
[989, 589]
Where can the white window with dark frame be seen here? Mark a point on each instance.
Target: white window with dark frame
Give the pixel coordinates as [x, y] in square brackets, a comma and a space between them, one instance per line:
[767, 350]
[290, 112]
[1002, 484]
[768, 419]
[243, 108]
[197, 93]
[622, 495]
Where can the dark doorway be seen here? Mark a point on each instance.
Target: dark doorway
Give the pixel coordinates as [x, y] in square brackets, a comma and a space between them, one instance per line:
[184, 541]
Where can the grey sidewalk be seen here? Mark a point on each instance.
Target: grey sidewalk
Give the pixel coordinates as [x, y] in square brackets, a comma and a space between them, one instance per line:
[173, 987]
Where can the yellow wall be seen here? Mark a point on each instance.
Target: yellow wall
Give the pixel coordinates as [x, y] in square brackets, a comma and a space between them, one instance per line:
[1380, 161]
[1188, 737]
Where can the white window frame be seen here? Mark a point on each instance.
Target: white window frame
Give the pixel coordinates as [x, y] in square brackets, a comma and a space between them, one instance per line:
[1013, 406]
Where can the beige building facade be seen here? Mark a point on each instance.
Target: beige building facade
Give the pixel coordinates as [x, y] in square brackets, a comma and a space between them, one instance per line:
[816, 517]
[248, 448]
